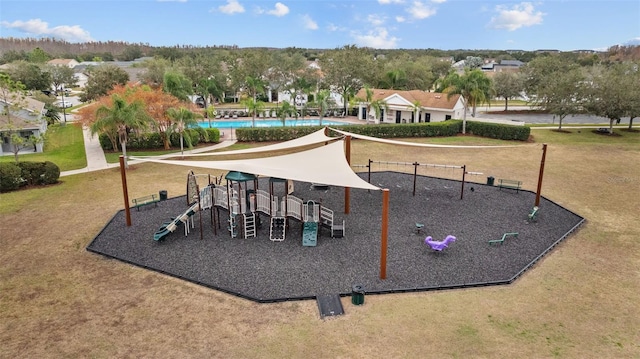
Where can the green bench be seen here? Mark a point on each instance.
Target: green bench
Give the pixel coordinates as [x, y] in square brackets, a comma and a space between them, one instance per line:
[510, 184]
[533, 215]
[504, 236]
[143, 201]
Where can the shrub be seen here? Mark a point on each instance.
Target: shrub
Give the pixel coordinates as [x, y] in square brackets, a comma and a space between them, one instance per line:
[498, 131]
[39, 173]
[213, 135]
[105, 142]
[51, 173]
[9, 176]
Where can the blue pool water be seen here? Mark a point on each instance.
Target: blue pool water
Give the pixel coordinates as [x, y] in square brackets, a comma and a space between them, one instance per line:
[268, 123]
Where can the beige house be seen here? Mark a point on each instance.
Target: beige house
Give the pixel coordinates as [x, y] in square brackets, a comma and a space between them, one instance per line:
[27, 122]
[70, 63]
[411, 106]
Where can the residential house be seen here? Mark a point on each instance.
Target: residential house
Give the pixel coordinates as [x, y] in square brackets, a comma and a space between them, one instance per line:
[27, 121]
[412, 106]
[70, 63]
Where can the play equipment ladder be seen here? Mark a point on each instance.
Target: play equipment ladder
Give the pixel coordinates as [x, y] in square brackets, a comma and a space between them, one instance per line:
[233, 226]
[277, 229]
[249, 225]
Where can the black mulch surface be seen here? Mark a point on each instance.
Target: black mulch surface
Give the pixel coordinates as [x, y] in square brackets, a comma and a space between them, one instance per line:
[265, 271]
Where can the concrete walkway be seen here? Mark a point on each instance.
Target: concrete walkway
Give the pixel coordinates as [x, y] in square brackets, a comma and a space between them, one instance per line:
[96, 160]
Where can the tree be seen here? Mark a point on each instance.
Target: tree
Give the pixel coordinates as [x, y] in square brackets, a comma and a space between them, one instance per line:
[286, 110]
[323, 102]
[378, 106]
[177, 84]
[368, 98]
[61, 76]
[394, 79]
[254, 107]
[102, 79]
[183, 119]
[473, 86]
[121, 117]
[607, 94]
[154, 75]
[12, 95]
[346, 70]
[508, 85]
[31, 75]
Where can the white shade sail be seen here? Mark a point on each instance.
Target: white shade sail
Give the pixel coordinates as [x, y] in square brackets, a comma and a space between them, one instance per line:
[324, 165]
[310, 139]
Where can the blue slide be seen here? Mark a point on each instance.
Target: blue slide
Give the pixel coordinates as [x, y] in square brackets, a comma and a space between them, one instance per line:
[310, 234]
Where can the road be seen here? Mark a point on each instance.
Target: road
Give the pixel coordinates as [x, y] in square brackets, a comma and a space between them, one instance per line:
[483, 112]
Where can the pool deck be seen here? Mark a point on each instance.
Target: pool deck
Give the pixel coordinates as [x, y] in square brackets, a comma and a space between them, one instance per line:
[230, 133]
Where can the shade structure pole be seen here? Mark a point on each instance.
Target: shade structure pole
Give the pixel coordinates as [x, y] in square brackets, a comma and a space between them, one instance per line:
[384, 233]
[544, 155]
[415, 174]
[125, 192]
[464, 172]
[347, 190]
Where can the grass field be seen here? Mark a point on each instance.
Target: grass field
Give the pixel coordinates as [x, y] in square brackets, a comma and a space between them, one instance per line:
[581, 301]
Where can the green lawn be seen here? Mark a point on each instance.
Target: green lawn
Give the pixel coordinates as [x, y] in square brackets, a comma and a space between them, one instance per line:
[64, 146]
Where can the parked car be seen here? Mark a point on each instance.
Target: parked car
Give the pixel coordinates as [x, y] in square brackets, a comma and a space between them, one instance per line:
[63, 104]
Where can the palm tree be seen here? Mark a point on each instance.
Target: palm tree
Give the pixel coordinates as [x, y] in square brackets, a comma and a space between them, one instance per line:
[286, 110]
[120, 117]
[323, 99]
[368, 97]
[254, 107]
[474, 87]
[183, 119]
[378, 106]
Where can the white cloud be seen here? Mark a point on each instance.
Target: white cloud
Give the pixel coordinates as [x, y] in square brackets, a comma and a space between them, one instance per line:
[386, 2]
[400, 19]
[280, 10]
[376, 20]
[439, 1]
[308, 22]
[420, 10]
[513, 18]
[377, 38]
[38, 27]
[232, 7]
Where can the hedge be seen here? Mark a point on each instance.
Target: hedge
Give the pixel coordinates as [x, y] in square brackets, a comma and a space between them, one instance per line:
[498, 131]
[447, 128]
[153, 140]
[12, 175]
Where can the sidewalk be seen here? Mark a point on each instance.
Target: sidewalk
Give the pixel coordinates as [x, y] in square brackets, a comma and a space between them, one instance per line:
[96, 160]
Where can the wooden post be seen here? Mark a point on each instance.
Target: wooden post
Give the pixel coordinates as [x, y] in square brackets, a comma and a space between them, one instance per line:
[415, 174]
[125, 192]
[347, 190]
[385, 230]
[464, 172]
[544, 155]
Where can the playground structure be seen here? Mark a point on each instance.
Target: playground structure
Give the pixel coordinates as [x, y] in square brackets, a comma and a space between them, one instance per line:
[245, 207]
[439, 245]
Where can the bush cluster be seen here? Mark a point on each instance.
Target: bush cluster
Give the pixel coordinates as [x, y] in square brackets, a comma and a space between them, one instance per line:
[498, 131]
[13, 175]
[153, 140]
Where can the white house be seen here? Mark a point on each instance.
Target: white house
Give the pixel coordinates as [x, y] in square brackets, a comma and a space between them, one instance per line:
[411, 106]
[27, 122]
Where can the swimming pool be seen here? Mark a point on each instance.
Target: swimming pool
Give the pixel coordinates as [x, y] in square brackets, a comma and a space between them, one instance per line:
[268, 123]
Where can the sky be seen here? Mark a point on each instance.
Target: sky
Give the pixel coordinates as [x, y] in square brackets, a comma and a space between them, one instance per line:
[385, 24]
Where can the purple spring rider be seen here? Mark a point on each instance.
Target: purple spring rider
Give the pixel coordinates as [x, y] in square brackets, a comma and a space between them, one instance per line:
[439, 245]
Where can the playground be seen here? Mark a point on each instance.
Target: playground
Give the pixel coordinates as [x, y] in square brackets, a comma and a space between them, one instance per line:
[265, 269]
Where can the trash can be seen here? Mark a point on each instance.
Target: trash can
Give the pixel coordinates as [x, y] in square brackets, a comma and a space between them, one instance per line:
[357, 295]
[163, 195]
[490, 180]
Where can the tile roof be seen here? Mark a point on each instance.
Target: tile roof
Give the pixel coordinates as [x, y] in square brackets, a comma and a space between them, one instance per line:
[424, 98]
